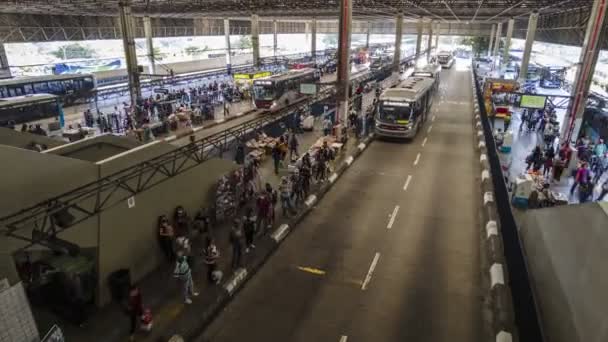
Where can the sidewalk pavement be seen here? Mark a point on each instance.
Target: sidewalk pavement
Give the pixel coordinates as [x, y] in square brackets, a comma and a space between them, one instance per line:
[162, 293]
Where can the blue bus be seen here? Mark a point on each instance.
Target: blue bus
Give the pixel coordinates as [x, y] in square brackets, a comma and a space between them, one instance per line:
[76, 88]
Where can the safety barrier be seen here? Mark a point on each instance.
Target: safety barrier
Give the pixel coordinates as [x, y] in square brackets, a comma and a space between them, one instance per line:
[509, 298]
[498, 295]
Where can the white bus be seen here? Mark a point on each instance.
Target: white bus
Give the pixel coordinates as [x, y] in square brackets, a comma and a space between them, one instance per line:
[276, 91]
[445, 59]
[431, 71]
[403, 110]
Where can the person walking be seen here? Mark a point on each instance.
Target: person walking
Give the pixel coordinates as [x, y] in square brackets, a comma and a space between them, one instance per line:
[548, 161]
[211, 254]
[183, 273]
[285, 190]
[249, 228]
[135, 308]
[581, 177]
[236, 240]
[293, 146]
[263, 203]
[327, 126]
[604, 191]
[166, 236]
[277, 156]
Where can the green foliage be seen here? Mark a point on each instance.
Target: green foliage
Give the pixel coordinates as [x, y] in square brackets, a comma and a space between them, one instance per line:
[195, 50]
[479, 45]
[73, 51]
[330, 40]
[244, 43]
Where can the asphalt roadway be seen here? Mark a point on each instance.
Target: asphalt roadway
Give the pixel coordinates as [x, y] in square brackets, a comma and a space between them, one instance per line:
[391, 253]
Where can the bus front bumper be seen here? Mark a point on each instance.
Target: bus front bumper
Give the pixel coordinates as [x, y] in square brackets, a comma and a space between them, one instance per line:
[404, 134]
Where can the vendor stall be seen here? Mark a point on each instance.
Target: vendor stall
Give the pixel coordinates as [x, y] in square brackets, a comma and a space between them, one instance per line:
[497, 97]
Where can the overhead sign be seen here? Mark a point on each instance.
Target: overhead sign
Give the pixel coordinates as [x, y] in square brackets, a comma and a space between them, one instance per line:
[308, 88]
[533, 101]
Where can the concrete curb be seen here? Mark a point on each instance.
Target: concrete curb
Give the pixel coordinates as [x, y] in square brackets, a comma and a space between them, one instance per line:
[240, 277]
[498, 295]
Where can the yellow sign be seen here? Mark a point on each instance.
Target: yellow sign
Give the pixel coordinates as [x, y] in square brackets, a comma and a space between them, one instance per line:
[252, 76]
[261, 74]
[403, 122]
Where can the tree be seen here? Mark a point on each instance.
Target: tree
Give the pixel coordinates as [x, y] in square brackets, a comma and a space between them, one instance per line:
[73, 51]
[195, 50]
[479, 45]
[158, 54]
[330, 40]
[244, 43]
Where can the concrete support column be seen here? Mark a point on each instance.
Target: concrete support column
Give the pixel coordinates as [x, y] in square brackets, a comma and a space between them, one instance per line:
[343, 80]
[398, 36]
[149, 44]
[419, 28]
[255, 39]
[5, 71]
[437, 34]
[228, 49]
[128, 41]
[584, 73]
[497, 40]
[491, 46]
[313, 38]
[275, 34]
[430, 42]
[530, 35]
[505, 55]
[369, 28]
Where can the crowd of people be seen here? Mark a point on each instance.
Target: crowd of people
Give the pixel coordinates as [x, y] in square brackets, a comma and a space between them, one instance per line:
[592, 164]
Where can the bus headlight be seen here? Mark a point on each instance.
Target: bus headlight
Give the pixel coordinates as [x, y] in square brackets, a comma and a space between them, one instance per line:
[274, 104]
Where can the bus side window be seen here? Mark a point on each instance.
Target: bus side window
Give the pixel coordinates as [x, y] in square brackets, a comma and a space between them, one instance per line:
[15, 91]
[41, 87]
[55, 87]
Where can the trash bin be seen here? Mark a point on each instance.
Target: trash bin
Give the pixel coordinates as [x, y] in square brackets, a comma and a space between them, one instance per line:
[119, 282]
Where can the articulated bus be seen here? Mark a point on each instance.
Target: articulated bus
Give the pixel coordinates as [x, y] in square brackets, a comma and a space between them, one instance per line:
[445, 59]
[403, 110]
[276, 91]
[432, 71]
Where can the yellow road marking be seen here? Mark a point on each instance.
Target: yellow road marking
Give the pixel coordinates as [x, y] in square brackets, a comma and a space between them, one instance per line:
[314, 271]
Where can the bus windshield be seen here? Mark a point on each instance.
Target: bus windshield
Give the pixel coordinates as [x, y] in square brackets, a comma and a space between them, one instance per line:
[443, 58]
[395, 112]
[263, 92]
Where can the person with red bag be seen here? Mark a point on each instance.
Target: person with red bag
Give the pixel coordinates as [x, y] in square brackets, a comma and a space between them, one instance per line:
[135, 308]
